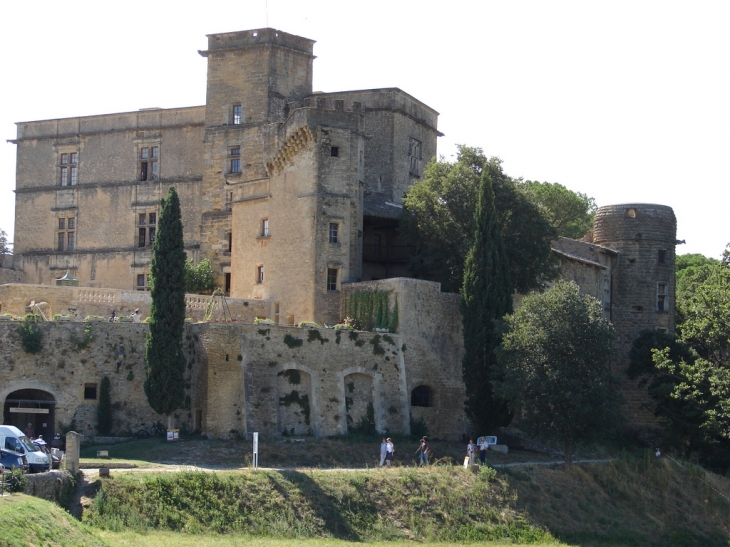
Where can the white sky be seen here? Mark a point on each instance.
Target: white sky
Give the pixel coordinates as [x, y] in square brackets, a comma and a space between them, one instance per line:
[625, 101]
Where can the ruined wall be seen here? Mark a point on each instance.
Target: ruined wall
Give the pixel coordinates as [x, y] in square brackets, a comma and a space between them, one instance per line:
[430, 329]
[8, 275]
[69, 359]
[295, 381]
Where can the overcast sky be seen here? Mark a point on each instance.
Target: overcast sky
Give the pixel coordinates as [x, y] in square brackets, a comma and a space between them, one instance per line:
[625, 101]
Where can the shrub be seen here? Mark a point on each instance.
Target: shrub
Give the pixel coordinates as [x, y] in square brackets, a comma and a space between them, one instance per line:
[16, 480]
[31, 337]
[260, 321]
[308, 324]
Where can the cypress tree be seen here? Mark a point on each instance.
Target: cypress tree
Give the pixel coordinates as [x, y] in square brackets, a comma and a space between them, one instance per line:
[104, 410]
[487, 297]
[165, 383]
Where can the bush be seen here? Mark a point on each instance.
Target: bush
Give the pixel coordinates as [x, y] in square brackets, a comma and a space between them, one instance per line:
[31, 337]
[308, 324]
[16, 480]
[260, 321]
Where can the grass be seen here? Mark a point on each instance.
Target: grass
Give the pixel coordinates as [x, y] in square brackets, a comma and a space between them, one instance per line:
[25, 520]
[165, 539]
[436, 504]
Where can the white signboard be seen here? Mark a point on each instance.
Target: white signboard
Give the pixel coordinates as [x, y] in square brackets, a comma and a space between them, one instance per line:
[17, 410]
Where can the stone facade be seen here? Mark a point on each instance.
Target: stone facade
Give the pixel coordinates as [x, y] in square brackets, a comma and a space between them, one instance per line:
[281, 188]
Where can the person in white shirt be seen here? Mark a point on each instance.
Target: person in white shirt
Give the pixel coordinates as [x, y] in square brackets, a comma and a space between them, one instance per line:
[389, 450]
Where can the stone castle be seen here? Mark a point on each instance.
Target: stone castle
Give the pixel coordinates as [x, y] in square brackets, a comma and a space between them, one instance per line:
[294, 196]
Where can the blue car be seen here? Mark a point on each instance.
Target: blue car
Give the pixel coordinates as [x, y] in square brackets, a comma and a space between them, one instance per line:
[11, 460]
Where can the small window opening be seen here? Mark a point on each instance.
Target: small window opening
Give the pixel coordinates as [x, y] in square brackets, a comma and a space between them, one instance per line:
[90, 392]
[228, 283]
[237, 114]
[662, 256]
[259, 274]
[331, 279]
[335, 151]
[630, 212]
[264, 227]
[334, 232]
[421, 396]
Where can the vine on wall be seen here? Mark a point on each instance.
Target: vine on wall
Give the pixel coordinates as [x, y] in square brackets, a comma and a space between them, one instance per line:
[371, 310]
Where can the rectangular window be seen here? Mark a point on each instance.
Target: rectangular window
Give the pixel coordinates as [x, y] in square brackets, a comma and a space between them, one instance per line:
[235, 166]
[334, 232]
[90, 392]
[662, 303]
[142, 282]
[236, 151]
[331, 279]
[149, 167]
[69, 168]
[66, 236]
[662, 256]
[335, 151]
[414, 155]
[237, 114]
[264, 227]
[260, 274]
[146, 229]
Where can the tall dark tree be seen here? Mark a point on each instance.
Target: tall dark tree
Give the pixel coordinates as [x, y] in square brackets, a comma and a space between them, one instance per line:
[104, 410]
[487, 297]
[165, 383]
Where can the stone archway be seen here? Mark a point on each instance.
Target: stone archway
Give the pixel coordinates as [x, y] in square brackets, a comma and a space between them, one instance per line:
[31, 406]
[295, 416]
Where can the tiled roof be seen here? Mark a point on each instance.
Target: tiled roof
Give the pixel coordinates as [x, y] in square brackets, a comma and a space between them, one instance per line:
[582, 251]
[375, 205]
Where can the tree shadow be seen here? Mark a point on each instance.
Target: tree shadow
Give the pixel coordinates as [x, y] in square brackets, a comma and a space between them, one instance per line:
[328, 509]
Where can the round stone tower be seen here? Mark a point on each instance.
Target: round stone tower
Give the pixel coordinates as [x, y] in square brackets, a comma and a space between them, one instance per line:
[643, 280]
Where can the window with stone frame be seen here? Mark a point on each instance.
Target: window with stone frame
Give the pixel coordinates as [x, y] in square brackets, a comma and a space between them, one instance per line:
[264, 227]
[66, 233]
[237, 114]
[69, 168]
[146, 229]
[234, 159]
[260, 273]
[141, 282]
[414, 156]
[662, 256]
[662, 299]
[334, 232]
[332, 274]
[90, 391]
[149, 163]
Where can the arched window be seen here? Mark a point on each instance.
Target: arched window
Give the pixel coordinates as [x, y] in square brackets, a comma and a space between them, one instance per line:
[421, 396]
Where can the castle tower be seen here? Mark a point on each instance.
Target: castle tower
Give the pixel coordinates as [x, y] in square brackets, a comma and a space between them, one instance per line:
[643, 281]
[254, 77]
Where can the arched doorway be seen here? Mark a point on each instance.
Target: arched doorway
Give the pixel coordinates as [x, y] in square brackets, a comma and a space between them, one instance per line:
[31, 406]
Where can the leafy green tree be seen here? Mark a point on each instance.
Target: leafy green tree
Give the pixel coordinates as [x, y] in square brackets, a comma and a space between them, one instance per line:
[570, 213]
[104, 410]
[4, 246]
[165, 385]
[199, 279]
[438, 219]
[554, 366]
[487, 297]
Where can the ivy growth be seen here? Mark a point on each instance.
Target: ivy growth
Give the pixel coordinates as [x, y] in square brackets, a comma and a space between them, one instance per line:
[295, 398]
[371, 310]
[77, 344]
[315, 335]
[293, 376]
[31, 337]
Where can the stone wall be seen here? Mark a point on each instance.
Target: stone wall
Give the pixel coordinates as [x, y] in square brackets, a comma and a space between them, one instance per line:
[9, 275]
[80, 302]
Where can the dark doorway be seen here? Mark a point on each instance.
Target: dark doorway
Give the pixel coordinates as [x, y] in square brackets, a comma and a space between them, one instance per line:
[34, 407]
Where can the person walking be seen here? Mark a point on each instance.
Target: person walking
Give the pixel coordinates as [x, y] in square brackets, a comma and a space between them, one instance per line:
[423, 452]
[383, 449]
[389, 450]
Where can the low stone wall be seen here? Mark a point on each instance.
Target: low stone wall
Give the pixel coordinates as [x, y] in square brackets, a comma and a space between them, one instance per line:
[56, 486]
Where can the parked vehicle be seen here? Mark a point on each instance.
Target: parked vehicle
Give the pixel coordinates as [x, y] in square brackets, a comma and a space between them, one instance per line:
[12, 438]
[12, 460]
[55, 454]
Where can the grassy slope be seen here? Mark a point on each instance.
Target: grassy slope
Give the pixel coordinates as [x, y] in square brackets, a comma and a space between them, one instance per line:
[634, 501]
[25, 520]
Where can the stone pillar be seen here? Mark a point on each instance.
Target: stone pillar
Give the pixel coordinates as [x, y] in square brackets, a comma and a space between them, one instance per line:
[73, 449]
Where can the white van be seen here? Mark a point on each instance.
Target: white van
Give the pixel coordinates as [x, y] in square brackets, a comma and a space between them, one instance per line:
[12, 438]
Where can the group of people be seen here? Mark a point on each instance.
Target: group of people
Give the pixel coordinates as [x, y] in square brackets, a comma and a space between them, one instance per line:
[472, 449]
[387, 449]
